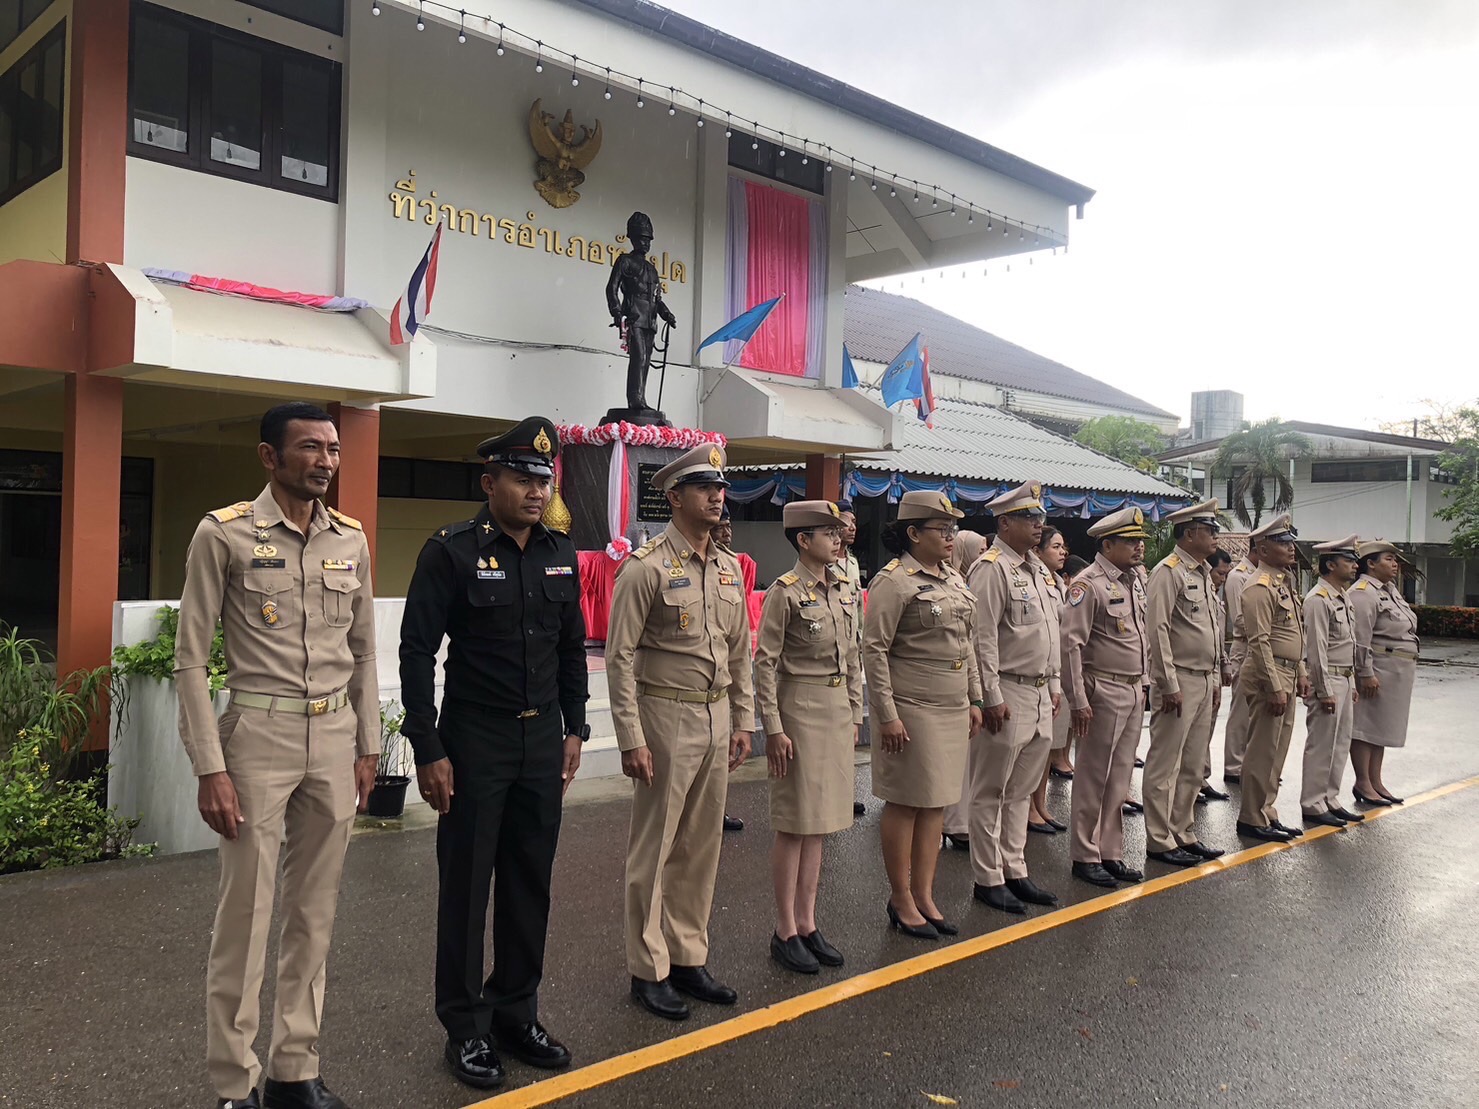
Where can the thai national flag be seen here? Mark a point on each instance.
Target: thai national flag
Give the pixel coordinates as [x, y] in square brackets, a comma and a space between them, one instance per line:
[413, 308]
[925, 403]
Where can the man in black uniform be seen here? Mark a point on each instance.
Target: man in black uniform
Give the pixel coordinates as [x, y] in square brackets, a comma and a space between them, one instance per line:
[505, 590]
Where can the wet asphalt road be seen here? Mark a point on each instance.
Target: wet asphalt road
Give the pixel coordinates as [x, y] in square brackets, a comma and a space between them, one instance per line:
[1336, 973]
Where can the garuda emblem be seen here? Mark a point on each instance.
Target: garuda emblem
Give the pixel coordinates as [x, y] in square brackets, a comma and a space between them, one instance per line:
[563, 154]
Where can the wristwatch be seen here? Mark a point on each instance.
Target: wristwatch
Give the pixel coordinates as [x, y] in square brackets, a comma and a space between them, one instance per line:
[584, 732]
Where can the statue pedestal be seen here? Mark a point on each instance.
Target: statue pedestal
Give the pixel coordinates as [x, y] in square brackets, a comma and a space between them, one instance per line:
[585, 486]
[642, 417]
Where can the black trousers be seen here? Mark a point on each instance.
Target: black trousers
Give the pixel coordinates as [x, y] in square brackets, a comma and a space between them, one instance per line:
[500, 832]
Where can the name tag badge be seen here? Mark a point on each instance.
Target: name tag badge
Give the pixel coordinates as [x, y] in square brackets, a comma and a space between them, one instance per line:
[559, 571]
[810, 604]
[269, 564]
[338, 564]
[676, 583]
[491, 575]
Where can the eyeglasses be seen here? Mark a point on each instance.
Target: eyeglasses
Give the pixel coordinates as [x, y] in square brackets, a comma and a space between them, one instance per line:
[949, 531]
[833, 532]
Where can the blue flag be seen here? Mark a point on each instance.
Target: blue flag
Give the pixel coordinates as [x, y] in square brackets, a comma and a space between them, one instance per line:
[904, 379]
[742, 326]
[849, 375]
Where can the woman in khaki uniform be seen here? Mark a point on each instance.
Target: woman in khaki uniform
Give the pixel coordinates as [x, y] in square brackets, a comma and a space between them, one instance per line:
[1385, 628]
[968, 548]
[924, 682]
[809, 688]
[1053, 553]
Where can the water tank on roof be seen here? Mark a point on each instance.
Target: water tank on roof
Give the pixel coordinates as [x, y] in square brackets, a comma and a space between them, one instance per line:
[1215, 413]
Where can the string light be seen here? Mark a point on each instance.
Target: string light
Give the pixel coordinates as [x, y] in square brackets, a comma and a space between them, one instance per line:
[500, 42]
[640, 102]
[607, 93]
[782, 151]
[700, 113]
[539, 57]
[728, 129]
[852, 174]
[462, 26]
[420, 22]
[574, 80]
[672, 111]
[375, 8]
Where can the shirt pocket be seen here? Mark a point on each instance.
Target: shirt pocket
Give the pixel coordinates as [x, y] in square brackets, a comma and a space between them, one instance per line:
[559, 591]
[269, 599]
[933, 608]
[492, 604]
[339, 590]
[1023, 611]
[682, 614]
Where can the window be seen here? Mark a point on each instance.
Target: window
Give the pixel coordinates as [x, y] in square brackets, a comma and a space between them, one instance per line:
[209, 99]
[428, 480]
[766, 161]
[1383, 469]
[16, 16]
[31, 114]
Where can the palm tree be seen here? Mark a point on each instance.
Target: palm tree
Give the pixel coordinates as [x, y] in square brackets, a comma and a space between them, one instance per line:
[1263, 451]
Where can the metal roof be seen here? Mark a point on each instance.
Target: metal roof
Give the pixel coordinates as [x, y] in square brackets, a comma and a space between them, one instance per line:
[736, 52]
[1410, 443]
[975, 442]
[876, 325]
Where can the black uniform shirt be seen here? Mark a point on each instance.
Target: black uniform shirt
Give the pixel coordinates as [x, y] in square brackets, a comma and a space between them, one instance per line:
[517, 636]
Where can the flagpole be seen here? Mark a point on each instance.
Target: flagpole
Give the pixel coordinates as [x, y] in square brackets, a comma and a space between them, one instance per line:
[729, 363]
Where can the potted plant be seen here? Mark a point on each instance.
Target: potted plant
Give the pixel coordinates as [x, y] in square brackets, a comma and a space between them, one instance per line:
[388, 797]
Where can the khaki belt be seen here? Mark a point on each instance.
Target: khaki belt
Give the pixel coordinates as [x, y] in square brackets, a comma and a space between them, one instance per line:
[1342, 671]
[1397, 652]
[832, 682]
[1024, 679]
[695, 696]
[1287, 663]
[1123, 679]
[936, 664]
[1192, 670]
[298, 706]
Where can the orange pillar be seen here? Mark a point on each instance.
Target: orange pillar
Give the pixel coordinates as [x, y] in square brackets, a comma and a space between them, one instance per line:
[92, 468]
[823, 477]
[97, 136]
[356, 489]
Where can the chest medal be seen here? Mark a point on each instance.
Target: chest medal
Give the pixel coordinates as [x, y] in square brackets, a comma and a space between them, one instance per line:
[269, 614]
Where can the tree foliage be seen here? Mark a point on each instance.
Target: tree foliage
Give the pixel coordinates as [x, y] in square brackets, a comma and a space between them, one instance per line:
[1259, 455]
[1133, 442]
[1440, 421]
[1461, 462]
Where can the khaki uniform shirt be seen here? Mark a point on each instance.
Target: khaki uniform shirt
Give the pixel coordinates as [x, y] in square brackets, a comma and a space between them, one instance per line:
[1016, 619]
[1232, 593]
[1103, 627]
[1382, 619]
[297, 611]
[1181, 614]
[678, 621]
[808, 629]
[921, 614]
[1273, 620]
[1328, 638]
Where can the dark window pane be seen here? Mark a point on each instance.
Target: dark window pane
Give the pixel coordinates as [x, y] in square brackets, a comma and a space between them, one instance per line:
[7, 132]
[307, 121]
[327, 15]
[30, 9]
[27, 81]
[235, 121]
[10, 21]
[53, 65]
[161, 85]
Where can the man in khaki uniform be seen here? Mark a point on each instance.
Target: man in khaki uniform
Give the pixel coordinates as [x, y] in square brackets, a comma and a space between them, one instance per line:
[1186, 686]
[290, 582]
[1104, 665]
[1330, 658]
[1235, 738]
[1015, 614]
[1273, 674]
[678, 667]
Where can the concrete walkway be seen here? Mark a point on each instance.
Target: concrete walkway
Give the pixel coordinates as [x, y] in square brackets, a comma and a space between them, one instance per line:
[1335, 972]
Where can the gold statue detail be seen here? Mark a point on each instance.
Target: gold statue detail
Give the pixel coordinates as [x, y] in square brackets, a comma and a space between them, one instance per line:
[562, 154]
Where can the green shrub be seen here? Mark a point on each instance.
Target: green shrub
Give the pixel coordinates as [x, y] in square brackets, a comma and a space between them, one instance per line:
[48, 823]
[1447, 622]
[58, 714]
[155, 658]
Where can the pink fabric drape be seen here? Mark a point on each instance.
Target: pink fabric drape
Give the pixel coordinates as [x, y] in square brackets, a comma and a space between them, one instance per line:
[779, 262]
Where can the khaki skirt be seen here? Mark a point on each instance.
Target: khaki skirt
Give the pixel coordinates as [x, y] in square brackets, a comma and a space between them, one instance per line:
[934, 704]
[815, 797]
[1382, 720]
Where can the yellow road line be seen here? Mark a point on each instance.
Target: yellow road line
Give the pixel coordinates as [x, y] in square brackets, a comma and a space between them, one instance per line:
[701, 1039]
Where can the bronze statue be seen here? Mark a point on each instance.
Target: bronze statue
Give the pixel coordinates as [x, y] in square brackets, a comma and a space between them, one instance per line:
[640, 307]
[562, 156]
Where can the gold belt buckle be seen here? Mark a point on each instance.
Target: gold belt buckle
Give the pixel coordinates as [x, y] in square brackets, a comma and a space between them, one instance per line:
[528, 713]
[957, 664]
[1041, 682]
[714, 695]
[834, 680]
[318, 708]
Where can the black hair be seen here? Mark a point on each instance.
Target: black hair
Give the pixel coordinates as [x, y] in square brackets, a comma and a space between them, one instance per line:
[792, 534]
[1326, 562]
[274, 427]
[895, 536]
[1219, 556]
[1178, 531]
[1075, 566]
[1048, 531]
[1369, 561]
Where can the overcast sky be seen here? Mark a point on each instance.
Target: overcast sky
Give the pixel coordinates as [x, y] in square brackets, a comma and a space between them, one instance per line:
[1284, 196]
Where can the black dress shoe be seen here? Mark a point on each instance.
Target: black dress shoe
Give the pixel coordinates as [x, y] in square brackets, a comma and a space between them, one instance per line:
[248, 1102]
[1066, 775]
[659, 998]
[1139, 764]
[1042, 829]
[530, 1043]
[1232, 779]
[1133, 807]
[1028, 890]
[957, 840]
[1292, 833]
[1348, 816]
[793, 954]
[733, 823]
[1058, 824]
[1120, 872]
[942, 926]
[1201, 850]
[1094, 874]
[699, 984]
[1390, 800]
[858, 808]
[474, 1062]
[999, 897]
[1176, 857]
[1363, 799]
[1328, 819]
[311, 1093]
[1210, 792]
[925, 931]
[826, 954]
[1269, 834]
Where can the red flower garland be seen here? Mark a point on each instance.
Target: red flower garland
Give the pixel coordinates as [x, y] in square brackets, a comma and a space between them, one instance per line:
[637, 435]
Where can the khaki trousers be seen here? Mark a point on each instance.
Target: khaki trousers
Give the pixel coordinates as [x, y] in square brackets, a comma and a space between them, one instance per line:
[1327, 746]
[1268, 747]
[294, 779]
[1235, 739]
[1004, 770]
[677, 823]
[1174, 764]
[1103, 768]
[958, 816]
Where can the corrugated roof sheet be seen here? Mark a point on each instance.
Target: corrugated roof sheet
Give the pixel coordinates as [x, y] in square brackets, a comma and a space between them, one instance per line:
[975, 442]
[876, 325]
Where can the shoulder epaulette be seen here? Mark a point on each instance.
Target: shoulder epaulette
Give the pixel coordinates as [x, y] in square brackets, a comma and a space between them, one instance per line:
[790, 577]
[1173, 560]
[1321, 592]
[893, 565]
[1362, 584]
[231, 512]
[992, 555]
[1264, 579]
[347, 521]
[838, 575]
[647, 548]
[442, 534]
